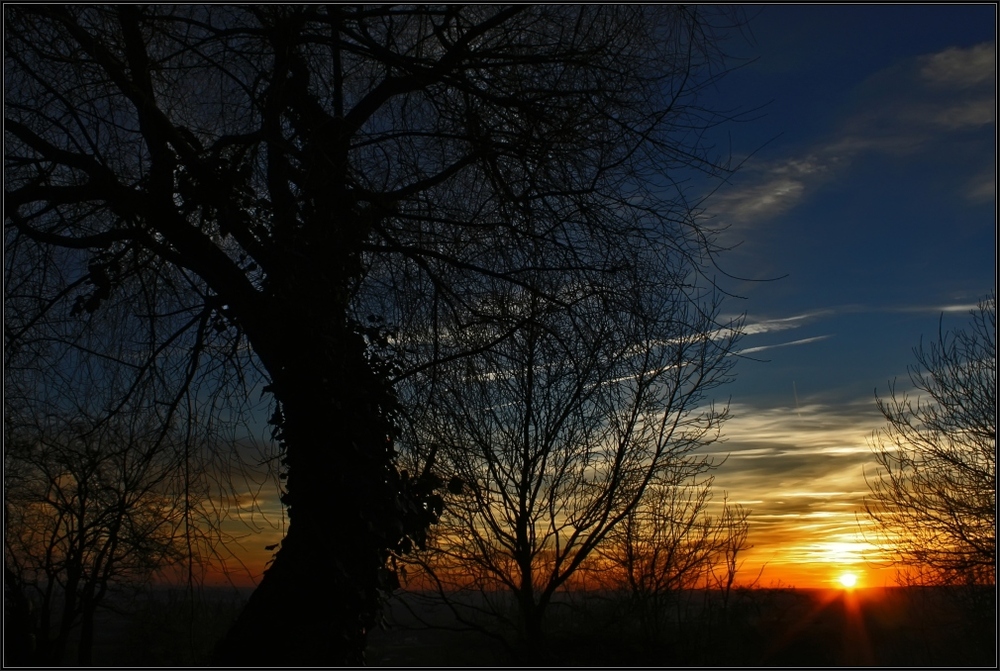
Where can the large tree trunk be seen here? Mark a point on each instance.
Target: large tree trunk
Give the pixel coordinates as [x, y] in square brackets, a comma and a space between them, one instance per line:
[348, 506]
[532, 612]
[321, 595]
[537, 652]
[303, 613]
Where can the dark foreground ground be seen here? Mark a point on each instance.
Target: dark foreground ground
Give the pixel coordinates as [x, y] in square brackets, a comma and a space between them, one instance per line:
[760, 627]
[877, 627]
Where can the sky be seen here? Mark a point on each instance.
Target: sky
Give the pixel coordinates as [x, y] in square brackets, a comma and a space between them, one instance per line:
[868, 188]
[863, 216]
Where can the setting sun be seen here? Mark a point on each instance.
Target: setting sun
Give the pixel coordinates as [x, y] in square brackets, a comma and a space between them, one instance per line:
[848, 580]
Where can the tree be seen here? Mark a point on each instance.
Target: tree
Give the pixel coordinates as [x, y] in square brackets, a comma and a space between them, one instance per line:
[85, 515]
[933, 499]
[670, 543]
[556, 436]
[108, 482]
[105, 487]
[273, 176]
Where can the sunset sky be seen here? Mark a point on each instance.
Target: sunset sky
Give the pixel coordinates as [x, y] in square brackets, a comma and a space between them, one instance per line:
[870, 193]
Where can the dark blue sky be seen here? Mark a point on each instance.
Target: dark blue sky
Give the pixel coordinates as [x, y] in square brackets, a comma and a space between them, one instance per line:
[871, 191]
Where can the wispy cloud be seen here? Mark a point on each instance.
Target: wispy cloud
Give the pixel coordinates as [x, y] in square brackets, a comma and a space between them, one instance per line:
[970, 113]
[756, 326]
[769, 189]
[902, 109]
[775, 458]
[960, 68]
[762, 326]
[801, 341]
[983, 187]
[765, 199]
[759, 326]
[938, 309]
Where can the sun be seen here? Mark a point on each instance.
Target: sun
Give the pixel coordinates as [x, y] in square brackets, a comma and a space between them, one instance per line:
[847, 580]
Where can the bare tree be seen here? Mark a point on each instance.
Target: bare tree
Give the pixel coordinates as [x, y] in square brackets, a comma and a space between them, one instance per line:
[732, 532]
[933, 499]
[109, 479]
[272, 176]
[557, 435]
[87, 511]
[670, 545]
[107, 484]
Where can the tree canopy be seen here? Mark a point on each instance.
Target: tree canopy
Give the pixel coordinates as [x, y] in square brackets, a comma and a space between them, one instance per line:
[301, 194]
[933, 498]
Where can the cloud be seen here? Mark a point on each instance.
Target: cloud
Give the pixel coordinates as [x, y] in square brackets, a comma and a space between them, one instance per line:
[781, 324]
[960, 68]
[755, 327]
[969, 114]
[770, 189]
[801, 471]
[802, 341]
[912, 101]
[938, 309]
[983, 187]
[768, 199]
[899, 110]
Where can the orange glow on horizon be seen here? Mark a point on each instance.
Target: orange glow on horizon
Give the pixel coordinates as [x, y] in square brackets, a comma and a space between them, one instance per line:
[778, 572]
[781, 572]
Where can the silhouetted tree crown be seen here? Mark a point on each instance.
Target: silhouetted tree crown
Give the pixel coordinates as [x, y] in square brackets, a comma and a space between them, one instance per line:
[933, 497]
[288, 185]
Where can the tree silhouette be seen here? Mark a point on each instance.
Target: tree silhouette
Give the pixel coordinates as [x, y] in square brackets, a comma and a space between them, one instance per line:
[107, 481]
[933, 499]
[272, 176]
[85, 515]
[671, 543]
[555, 437]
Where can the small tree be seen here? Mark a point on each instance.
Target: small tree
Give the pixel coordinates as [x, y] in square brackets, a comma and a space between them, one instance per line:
[732, 529]
[556, 434]
[671, 543]
[114, 473]
[87, 511]
[933, 499]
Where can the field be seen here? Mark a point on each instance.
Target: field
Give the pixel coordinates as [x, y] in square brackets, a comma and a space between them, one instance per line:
[874, 627]
[760, 627]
